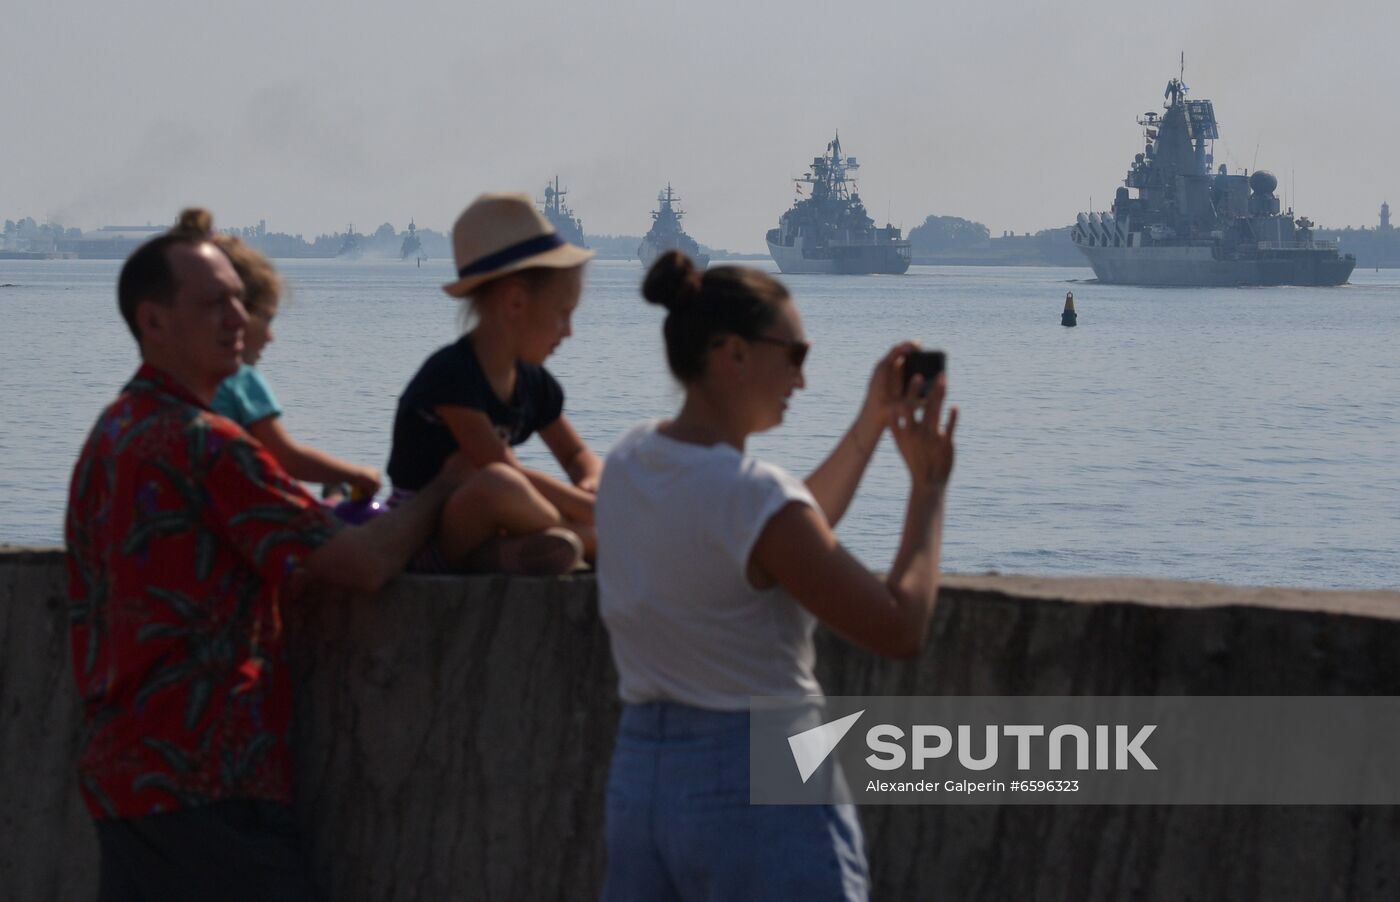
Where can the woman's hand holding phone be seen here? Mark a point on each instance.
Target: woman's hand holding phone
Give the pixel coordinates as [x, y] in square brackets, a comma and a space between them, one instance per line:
[925, 443]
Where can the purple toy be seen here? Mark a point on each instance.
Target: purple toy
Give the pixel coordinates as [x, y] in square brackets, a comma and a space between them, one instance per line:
[358, 510]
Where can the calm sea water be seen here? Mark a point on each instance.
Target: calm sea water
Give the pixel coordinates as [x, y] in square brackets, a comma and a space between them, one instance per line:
[1247, 436]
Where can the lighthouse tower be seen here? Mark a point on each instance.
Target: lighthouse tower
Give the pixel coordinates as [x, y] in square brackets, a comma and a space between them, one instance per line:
[1385, 217]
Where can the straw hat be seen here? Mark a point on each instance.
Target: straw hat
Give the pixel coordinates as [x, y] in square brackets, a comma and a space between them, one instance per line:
[504, 233]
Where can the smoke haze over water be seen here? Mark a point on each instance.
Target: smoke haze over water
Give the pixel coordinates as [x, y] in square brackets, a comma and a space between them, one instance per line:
[314, 116]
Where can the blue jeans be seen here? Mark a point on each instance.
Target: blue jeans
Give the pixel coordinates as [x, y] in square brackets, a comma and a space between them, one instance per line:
[680, 826]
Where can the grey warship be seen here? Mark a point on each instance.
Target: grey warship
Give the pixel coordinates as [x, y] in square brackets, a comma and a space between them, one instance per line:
[828, 231]
[412, 245]
[1190, 226]
[666, 233]
[569, 226]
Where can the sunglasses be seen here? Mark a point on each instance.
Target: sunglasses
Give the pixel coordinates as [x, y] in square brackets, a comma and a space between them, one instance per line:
[796, 350]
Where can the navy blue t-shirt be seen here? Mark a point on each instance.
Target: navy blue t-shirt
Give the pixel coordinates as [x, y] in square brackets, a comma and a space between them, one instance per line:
[453, 377]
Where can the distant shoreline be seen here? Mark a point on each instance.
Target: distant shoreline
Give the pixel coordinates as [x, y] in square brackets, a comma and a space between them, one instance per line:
[974, 259]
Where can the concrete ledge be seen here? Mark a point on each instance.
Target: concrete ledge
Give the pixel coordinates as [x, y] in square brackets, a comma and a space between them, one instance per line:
[453, 738]
[1168, 593]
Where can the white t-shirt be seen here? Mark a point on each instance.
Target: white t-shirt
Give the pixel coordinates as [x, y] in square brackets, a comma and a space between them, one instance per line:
[676, 524]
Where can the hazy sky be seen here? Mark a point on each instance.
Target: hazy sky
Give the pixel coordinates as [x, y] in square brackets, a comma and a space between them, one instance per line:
[315, 115]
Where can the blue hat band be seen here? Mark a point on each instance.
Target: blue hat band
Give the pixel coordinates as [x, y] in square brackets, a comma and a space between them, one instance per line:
[506, 256]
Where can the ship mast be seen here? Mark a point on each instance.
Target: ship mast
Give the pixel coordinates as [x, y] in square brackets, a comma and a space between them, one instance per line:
[828, 175]
[553, 194]
[666, 203]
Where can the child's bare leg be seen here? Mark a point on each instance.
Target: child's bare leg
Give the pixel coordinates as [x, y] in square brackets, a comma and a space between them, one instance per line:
[588, 535]
[497, 498]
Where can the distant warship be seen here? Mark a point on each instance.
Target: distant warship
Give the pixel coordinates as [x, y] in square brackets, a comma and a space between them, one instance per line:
[1189, 226]
[350, 246]
[569, 226]
[412, 245]
[829, 231]
[666, 233]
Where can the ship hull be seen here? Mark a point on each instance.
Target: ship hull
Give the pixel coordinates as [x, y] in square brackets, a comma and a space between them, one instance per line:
[568, 230]
[649, 250]
[852, 260]
[1198, 267]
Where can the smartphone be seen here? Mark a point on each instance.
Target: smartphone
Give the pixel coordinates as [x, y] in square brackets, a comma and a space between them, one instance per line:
[929, 364]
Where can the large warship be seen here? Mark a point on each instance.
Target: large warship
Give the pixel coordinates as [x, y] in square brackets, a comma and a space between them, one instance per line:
[1191, 226]
[569, 226]
[828, 231]
[666, 233]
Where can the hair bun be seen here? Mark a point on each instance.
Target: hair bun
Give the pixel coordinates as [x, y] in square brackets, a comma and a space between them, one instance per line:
[194, 221]
[672, 281]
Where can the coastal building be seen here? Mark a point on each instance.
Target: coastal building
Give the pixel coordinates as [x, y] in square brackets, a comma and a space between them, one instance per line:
[112, 242]
[1377, 248]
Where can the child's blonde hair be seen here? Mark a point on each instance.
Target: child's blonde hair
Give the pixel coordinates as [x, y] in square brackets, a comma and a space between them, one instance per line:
[261, 283]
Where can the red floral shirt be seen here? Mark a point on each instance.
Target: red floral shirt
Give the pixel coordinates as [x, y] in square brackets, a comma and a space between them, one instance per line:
[182, 534]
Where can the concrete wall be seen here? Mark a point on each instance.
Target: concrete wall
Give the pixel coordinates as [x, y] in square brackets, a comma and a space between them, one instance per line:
[453, 739]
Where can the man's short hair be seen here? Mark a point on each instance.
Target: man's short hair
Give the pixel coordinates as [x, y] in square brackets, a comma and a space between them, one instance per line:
[148, 276]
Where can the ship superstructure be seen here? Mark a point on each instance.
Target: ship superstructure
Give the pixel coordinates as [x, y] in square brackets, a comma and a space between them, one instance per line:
[569, 226]
[352, 244]
[828, 230]
[666, 233]
[412, 245]
[1189, 225]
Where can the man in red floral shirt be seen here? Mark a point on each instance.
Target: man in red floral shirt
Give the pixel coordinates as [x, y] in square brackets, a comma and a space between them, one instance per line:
[185, 539]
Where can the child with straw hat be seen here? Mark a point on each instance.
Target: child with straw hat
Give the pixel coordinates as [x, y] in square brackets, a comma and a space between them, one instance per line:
[489, 391]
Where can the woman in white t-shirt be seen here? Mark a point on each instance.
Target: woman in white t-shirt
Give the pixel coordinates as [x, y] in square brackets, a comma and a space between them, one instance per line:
[713, 570]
